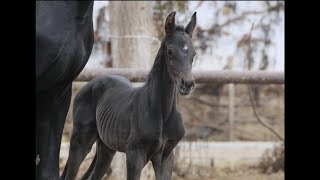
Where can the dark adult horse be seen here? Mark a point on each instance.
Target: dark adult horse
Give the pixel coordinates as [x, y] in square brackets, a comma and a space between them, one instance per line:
[143, 122]
[64, 40]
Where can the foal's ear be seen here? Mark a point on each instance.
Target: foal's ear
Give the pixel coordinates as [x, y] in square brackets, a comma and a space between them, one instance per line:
[192, 24]
[170, 22]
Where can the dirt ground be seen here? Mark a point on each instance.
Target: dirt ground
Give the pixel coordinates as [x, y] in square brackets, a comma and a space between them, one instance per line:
[245, 174]
[274, 176]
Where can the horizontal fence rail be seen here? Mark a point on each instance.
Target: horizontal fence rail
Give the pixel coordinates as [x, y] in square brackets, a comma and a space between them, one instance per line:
[200, 76]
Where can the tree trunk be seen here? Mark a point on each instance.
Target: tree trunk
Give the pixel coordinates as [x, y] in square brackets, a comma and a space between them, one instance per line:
[133, 34]
[133, 45]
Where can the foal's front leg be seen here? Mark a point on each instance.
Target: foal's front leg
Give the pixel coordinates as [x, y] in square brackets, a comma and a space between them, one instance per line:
[163, 161]
[163, 169]
[138, 155]
[136, 160]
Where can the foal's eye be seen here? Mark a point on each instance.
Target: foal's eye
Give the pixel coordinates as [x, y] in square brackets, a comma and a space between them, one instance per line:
[169, 52]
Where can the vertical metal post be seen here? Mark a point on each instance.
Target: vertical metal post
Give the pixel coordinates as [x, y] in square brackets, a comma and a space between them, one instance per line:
[231, 111]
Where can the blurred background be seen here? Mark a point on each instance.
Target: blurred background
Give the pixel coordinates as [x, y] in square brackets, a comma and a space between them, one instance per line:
[228, 134]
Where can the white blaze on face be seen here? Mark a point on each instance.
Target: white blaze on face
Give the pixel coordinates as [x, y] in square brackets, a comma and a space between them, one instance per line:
[185, 47]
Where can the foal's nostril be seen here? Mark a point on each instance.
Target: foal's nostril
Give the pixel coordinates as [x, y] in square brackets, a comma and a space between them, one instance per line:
[182, 81]
[192, 84]
[187, 84]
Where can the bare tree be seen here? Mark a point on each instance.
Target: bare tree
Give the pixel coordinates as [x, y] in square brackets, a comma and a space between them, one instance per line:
[251, 89]
[132, 34]
[134, 44]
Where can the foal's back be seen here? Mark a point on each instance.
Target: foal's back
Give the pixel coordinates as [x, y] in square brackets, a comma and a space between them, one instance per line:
[104, 103]
[93, 91]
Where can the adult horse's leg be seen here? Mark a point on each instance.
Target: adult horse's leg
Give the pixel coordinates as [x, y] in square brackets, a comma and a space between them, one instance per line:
[101, 162]
[163, 170]
[51, 114]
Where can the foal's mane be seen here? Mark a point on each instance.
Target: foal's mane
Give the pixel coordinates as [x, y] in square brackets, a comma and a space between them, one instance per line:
[157, 66]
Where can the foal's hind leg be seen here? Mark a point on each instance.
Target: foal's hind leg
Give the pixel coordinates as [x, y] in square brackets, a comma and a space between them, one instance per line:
[84, 134]
[80, 146]
[101, 163]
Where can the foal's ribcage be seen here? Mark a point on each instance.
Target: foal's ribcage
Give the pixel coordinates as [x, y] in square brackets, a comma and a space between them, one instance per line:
[113, 116]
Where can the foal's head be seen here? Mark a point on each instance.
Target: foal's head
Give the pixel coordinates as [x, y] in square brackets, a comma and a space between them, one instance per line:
[179, 53]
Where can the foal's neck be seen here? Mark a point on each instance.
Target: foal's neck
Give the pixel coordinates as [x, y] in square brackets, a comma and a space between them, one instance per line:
[160, 86]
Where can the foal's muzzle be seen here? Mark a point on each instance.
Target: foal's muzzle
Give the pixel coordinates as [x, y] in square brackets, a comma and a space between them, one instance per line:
[186, 86]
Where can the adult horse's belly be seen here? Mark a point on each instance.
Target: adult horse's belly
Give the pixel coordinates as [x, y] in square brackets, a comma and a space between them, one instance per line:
[113, 117]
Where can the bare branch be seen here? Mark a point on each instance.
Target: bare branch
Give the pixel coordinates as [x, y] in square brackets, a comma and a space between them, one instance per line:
[199, 4]
[262, 122]
[243, 103]
[276, 7]
[206, 103]
[218, 27]
[249, 58]
[205, 124]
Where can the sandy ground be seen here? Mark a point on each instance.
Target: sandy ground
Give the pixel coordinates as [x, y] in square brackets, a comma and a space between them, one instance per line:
[238, 174]
[254, 176]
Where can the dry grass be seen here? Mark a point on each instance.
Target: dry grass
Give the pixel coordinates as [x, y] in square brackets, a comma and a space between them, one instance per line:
[272, 160]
